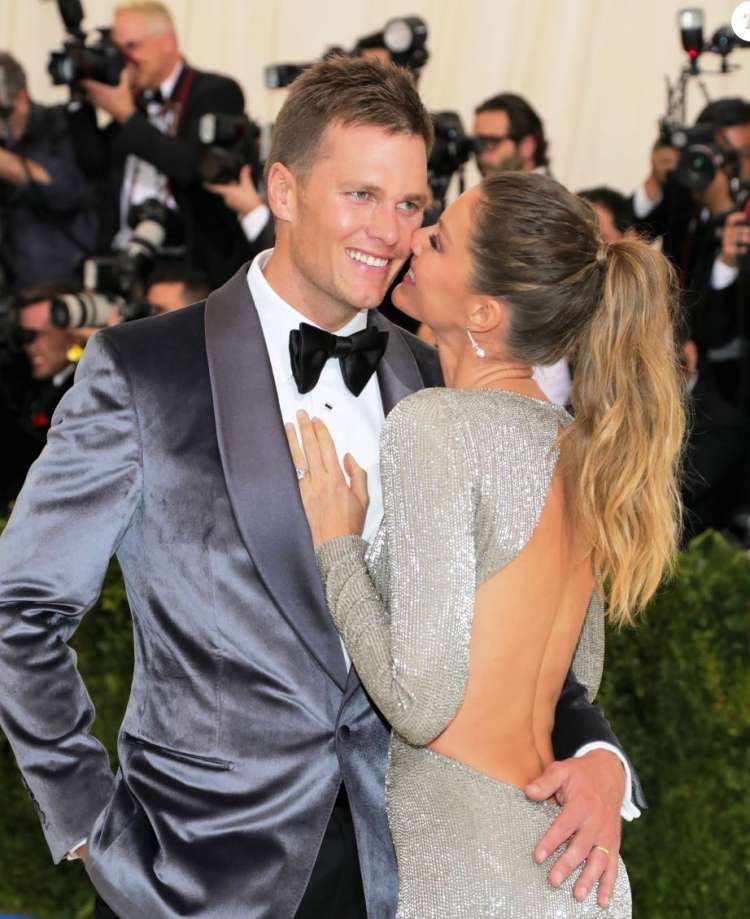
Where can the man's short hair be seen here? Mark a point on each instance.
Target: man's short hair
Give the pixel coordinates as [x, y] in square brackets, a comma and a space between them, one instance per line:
[157, 13]
[12, 76]
[524, 121]
[725, 113]
[346, 91]
[45, 290]
[617, 205]
[196, 283]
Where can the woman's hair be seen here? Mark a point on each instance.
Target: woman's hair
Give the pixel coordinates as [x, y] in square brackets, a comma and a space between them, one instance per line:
[611, 309]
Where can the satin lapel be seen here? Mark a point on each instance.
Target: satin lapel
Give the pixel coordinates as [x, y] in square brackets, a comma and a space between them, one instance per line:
[259, 473]
[398, 376]
[398, 372]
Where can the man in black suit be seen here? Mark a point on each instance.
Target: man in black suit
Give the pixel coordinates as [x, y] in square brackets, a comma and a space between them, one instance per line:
[700, 233]
[151, 148]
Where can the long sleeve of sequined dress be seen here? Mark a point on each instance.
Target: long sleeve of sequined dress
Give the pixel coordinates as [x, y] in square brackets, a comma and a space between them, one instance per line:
[411, 646]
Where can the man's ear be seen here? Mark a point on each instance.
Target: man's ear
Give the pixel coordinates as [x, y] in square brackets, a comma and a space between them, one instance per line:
[527, 148]
[488, 314]
[282, 191]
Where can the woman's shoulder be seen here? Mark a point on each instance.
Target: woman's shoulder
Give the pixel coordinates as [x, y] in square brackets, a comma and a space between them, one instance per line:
[467, 406]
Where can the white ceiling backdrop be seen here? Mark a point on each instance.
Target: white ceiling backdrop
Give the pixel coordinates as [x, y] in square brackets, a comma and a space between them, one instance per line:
[594, 69]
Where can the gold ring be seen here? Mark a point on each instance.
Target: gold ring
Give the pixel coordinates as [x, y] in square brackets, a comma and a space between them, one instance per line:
[603, 849]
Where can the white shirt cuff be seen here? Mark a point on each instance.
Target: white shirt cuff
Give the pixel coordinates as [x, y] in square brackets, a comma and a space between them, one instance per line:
[642, 204]
[628, 810]
[722, 275]
[72, 856]
[253, 222]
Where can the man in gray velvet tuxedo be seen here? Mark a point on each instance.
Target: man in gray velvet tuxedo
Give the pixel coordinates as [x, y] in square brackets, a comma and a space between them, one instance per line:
[251, 761]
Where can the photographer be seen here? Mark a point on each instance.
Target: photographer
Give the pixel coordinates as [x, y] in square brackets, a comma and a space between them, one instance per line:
[151, 148]
[243, 198]
[174, 287]
[47, 350]
[702, 233]
[510, 136]
[47, 225]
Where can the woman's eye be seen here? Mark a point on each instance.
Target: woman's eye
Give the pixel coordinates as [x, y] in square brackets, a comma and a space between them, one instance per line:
[435, 242]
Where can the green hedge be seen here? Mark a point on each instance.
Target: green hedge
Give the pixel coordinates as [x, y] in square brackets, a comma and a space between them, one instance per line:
[677, 690]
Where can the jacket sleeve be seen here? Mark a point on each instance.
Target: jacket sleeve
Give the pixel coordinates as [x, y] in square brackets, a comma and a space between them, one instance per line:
[77, 503]
[179, 157]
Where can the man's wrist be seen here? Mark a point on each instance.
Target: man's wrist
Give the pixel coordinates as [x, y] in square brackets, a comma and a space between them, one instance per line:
[628, 809]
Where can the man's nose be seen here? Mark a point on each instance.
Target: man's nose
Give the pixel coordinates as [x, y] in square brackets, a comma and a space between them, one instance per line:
[384, 224]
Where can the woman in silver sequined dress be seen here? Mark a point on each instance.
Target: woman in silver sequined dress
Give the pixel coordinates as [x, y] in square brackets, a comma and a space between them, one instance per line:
[502, 516]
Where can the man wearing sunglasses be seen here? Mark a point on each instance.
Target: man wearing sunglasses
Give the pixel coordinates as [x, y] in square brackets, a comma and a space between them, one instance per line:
[510, 136]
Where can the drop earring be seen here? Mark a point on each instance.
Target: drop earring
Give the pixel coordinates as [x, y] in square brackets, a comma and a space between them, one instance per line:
[478, 349]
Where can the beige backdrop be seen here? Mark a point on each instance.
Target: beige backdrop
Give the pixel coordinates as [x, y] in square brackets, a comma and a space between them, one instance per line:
[594, 69]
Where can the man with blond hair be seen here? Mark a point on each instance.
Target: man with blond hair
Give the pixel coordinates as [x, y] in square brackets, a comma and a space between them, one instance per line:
[151, 148]
[252, 763]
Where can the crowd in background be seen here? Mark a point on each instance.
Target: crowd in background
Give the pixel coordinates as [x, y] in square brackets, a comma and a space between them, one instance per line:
[121, 177]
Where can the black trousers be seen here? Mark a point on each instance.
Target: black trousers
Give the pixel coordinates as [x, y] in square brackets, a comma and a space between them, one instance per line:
[335, 889]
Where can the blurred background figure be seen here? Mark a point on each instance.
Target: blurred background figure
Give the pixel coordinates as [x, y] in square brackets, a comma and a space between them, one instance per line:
[510, 136]
[151, 149]
[176, 286]
[47, 203]
[613, 211]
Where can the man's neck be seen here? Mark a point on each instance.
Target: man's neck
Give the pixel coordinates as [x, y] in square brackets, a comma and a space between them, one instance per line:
[286, 280]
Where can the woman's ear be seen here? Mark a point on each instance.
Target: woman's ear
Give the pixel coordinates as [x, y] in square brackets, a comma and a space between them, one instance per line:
[281, 192]
[488, 314]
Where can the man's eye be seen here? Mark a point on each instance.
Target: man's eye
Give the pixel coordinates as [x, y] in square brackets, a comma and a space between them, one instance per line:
[360, 195]
[410, 207]
[435, 241]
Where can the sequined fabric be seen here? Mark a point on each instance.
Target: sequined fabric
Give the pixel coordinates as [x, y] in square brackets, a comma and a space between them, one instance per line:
[482, 462]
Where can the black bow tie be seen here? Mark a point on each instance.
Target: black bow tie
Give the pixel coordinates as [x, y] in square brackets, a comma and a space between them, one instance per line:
[359, 355]
[149, 96]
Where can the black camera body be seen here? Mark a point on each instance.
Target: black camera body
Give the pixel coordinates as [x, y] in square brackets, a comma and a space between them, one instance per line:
[81, 59]
[451, 150]
[229, 142]
[700, 156]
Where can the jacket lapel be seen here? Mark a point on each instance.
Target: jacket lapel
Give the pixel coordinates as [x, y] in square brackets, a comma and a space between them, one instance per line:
[259, 473]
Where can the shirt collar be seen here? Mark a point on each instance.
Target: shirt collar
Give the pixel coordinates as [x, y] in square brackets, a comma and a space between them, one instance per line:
[278, 318]
[167, 87]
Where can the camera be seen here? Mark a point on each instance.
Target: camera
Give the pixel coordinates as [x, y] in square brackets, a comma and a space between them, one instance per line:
[450, 152]
[118, 281]
[700, 156]
[230, 142]
[403, 37]
[80, 58]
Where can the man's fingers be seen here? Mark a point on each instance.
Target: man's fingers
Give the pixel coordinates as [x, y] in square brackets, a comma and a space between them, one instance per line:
[575, 853]
[596, 864]
[562, 829]
[546, 785]
[607, 882]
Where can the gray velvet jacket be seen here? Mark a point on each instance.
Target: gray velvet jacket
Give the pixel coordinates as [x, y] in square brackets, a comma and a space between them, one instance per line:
[170, 451]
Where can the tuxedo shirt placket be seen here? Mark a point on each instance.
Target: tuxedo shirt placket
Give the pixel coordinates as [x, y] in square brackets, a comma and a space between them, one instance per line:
[355, 422]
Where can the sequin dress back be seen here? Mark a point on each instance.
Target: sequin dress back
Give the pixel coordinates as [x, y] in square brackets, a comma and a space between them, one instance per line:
[482, 461]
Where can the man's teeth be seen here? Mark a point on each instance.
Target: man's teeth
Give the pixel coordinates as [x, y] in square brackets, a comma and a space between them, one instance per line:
[367, 259]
